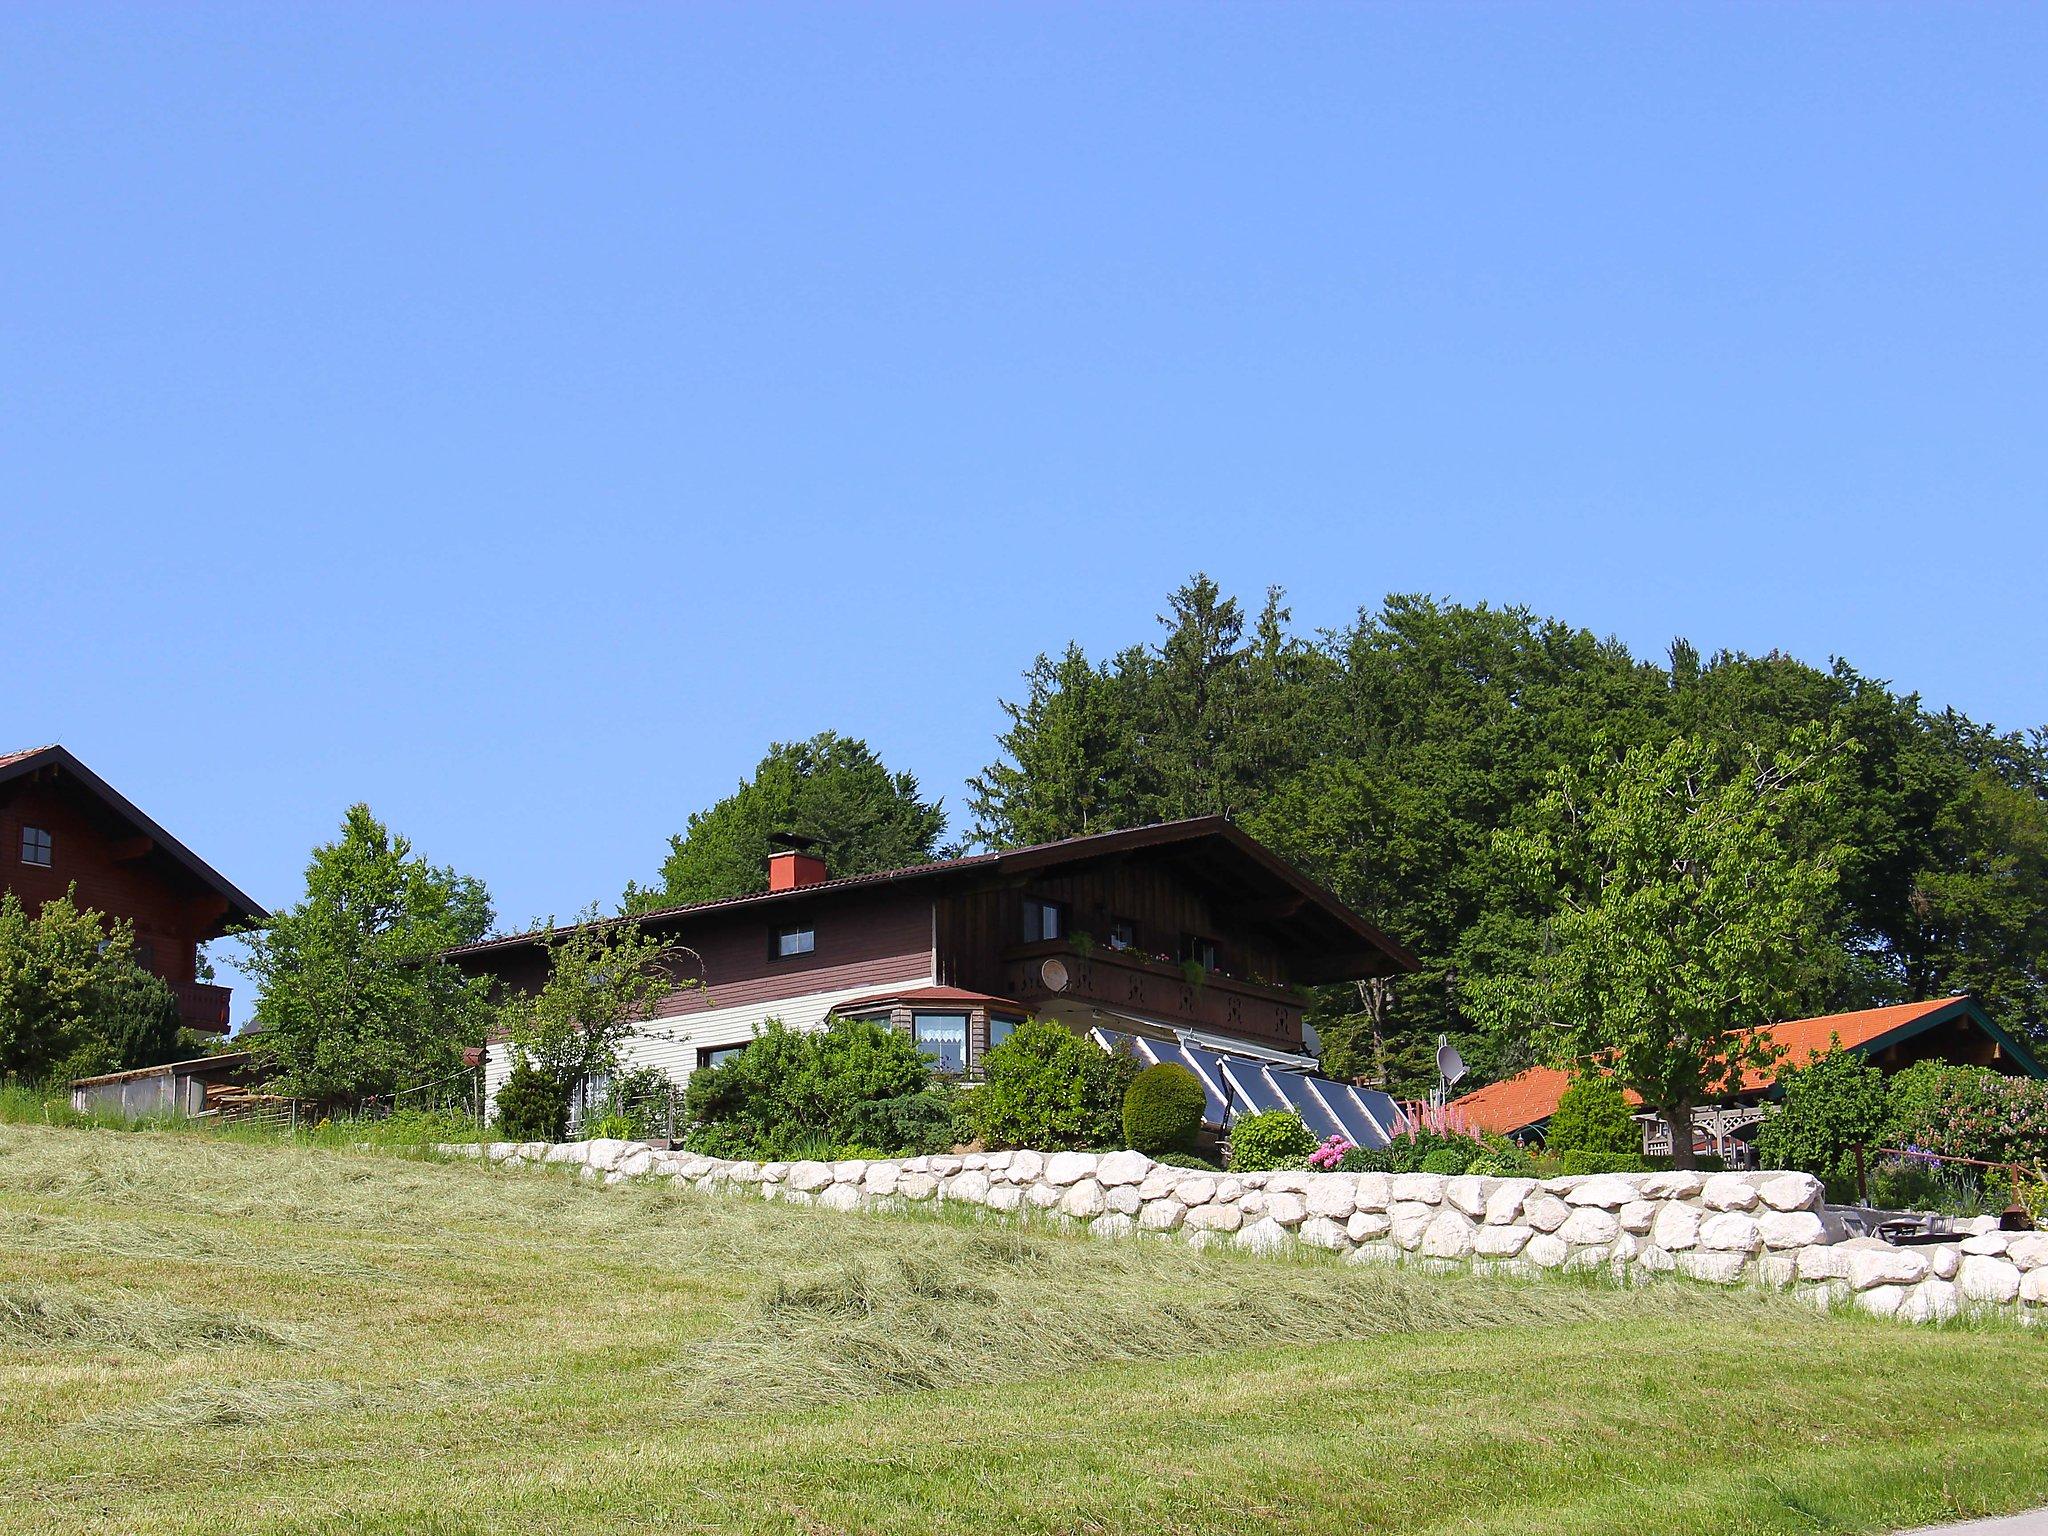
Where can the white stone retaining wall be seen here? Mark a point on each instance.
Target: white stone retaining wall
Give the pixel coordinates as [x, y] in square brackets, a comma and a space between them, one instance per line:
[1727, 1228]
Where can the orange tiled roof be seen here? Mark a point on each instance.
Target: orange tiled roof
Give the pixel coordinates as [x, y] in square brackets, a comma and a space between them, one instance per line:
[1514, 1102]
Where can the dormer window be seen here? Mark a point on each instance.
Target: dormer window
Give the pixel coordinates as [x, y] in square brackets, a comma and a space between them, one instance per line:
[35, 846]
[1044, 920]
[795, 941]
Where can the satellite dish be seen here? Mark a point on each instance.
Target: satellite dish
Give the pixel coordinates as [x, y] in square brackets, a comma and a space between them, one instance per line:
[1450, 1066]
[1054, 974]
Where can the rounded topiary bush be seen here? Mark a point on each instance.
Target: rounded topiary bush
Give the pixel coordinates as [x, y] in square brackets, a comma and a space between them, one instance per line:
[1163, 1109]
[1275, 1139]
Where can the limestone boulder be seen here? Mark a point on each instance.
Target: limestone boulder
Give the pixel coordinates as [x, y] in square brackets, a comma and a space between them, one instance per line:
[1501, 1242]
[1590, 1225]
[1364, 1226]
[1420, 1188]
[1730, 1232]
[1545, 1212]
[1265, 1236]
[1064, 1168]
[1083, 1199]
[1199, 1190]
[1332, 1195]
[1323, 1232]
[809, 1176]
[1124, 1201]
[1604, 1190]
[1162, 1215]
[1119, 1168]
[1466, 1195]
[1448, 1236]
[1374, 1191]
[1730, 1192]
[1286, 1208]
[1791, 1229]
[1115, 1224]
[1504, 1204]
[1987, 1279]
[970, 1185]
[1884, 1265]
[1792, 1192]
[1214, 1217]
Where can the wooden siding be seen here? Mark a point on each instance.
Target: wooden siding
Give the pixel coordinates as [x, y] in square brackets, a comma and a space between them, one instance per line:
[113, 870]
[979, 929]
[879, 939]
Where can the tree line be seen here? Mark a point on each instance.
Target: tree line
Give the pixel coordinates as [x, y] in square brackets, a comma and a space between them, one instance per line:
[1595, 856]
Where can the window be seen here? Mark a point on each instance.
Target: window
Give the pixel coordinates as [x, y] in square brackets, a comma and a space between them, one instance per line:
[1198, 949]
[1123, 934]
[943, 1039]
[795, 941]
[1043, 920]
[35, 846]
[1000, 1028]
[718, 1055]
[145, 954]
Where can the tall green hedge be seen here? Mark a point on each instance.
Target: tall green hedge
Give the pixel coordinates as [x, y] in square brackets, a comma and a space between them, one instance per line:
[1047, 1088]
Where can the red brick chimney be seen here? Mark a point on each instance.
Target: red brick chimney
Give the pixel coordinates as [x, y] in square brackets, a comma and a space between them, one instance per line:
[792, 864]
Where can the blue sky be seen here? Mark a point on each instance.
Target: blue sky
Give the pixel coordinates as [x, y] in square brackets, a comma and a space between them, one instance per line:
[517, 416]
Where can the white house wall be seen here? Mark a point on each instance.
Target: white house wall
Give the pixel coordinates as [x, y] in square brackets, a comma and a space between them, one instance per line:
[671, 1044]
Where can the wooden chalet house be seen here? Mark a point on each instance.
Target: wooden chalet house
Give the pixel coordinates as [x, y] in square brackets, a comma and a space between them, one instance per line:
[63, 826]
[1186, 934]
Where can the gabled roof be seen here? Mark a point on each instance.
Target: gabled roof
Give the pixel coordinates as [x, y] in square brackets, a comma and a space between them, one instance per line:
[14, 765]
[1532, 1096]
[1215, 835]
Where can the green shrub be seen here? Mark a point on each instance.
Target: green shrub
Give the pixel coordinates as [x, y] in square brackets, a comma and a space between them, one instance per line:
[1593, 1116]
[1049, 1089]
[1500, 1158]
[1275, 1139]
[1451, 1160]
[856, 1083]
[1360, 1160]
[1186, 1160]
[1602, 1162]
[1830, 1106]
[1163, 1109]
[532, 1106]
[612, 1126]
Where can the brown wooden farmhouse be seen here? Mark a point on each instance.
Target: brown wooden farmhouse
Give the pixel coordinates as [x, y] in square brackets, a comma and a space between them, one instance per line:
[1187, 930]
[63, 827]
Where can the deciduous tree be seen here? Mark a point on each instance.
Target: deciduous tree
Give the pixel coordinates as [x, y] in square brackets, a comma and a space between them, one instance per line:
[1691, 896]
[353, 996]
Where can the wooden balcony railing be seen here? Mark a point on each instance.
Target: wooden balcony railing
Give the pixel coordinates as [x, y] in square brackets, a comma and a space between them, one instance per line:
[1125, 980]
[202, 1005]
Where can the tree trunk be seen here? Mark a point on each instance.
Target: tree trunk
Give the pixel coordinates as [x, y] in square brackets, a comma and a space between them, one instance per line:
[1679, 1118]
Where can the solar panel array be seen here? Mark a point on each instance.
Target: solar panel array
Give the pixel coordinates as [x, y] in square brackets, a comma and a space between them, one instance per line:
[1243, 1085]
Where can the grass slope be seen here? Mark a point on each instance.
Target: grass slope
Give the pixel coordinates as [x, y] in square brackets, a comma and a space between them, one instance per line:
[201, 1335]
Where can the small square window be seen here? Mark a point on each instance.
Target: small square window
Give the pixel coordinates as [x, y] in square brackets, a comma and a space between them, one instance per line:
[1043, 920]
[1000, 1029]
[1200, 950]
[795, 941]
[35, 846]
[717, 1055]
[1123, 934]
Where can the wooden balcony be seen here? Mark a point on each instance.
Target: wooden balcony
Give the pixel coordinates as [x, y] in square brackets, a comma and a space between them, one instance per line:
[1124, 981]
[202, 1005]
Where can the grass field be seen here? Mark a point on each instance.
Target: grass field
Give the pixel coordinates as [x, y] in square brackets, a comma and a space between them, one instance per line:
[203, 1335]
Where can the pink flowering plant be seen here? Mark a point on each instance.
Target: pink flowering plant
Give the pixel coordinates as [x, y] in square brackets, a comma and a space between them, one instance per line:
[1331, 1153]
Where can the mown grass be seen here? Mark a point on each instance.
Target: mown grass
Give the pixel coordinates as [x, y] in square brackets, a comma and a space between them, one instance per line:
[215, 1335]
